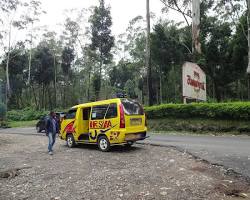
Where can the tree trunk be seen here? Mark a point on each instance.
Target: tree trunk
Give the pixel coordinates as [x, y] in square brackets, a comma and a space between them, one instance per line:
[88, 86]
[196, 46]
[248, 87]
[160, 86]
[55, 80]
[100, 81]
[8, 92]
[34, 94]
[217, 92]
[248, 35]
[43, 97]
[49, 97]
[30, 54]
[148, 58]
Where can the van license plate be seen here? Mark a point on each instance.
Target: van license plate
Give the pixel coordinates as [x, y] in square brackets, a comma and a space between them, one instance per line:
[135, 121]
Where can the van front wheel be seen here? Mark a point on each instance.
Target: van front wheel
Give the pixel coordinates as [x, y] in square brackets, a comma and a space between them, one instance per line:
[70, 141]
[103, 143]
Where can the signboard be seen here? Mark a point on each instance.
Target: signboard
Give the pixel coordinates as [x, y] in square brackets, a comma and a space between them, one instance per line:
[194, 82]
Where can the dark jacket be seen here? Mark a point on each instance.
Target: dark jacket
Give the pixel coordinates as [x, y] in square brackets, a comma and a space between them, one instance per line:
[49, 125]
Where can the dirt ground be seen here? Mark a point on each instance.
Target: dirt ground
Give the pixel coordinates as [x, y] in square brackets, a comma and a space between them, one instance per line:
[141, 172]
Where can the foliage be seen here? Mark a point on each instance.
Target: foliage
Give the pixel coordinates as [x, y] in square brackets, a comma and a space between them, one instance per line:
[227, 111]
[17, 62]
[2, 111]
[43, 65]
[102, 40]
[26, 114]
[67, 59]
[130, 89]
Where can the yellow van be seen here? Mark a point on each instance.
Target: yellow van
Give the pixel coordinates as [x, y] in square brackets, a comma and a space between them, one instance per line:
[105, 123]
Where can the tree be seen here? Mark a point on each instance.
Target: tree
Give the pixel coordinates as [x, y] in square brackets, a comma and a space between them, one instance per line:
[67, 61]
[167, 49]
[17, 65]
[8, 22]
[182, 6]
[55, 47]
[101, 39]
[43, 73]
[216, 47]
[231, 11]
[130, 89]
[33, 11]
[148, 58]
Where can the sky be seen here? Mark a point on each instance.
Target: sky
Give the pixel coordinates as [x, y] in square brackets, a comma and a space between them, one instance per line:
[122, 11]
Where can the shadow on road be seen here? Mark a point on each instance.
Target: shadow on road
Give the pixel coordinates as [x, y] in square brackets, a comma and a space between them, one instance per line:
[113, 149]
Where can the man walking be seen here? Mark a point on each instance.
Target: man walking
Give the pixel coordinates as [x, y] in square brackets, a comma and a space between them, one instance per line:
[51, 130]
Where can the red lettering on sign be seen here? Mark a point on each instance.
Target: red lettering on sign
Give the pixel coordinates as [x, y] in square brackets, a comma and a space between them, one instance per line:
[195, 83]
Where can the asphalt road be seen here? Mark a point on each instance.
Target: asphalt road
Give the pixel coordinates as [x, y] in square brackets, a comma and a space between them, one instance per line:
[232, 152]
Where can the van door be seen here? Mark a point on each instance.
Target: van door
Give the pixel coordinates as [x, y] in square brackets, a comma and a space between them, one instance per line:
[97, 122]
[83, 127]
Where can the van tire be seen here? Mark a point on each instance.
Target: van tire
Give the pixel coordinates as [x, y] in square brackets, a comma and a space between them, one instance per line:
[129, 144]
[70, 141]
[103, 143]
[38, 129]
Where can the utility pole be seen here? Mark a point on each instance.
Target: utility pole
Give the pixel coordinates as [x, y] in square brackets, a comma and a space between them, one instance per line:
[148, 58]
[248, 36]
[196, 45]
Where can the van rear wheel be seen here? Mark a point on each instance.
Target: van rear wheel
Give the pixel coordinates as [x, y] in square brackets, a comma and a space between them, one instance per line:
[70, 141]
[129, 144]
[103, 143]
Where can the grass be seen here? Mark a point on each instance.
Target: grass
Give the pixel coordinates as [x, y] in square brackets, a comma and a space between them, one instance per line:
[15, 124]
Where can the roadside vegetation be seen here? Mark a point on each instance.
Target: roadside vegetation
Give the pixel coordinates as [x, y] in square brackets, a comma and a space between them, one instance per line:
[202, 118]
[198, 126]
[217, 118]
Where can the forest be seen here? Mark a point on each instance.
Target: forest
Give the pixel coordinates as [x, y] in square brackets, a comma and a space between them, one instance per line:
[87, 62]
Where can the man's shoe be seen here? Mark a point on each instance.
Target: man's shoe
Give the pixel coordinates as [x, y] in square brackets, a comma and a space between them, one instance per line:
[50, 153]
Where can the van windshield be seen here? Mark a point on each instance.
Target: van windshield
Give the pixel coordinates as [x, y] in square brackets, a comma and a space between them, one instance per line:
[132, 107]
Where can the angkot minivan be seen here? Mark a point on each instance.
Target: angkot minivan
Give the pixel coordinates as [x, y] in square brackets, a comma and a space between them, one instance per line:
[105, 123]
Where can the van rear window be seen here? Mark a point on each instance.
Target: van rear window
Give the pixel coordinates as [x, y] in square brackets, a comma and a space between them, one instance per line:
[132, 107]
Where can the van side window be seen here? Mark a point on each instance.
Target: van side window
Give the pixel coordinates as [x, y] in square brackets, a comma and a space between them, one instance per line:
[85, 113]
[71, 114]
[112, 111]
[98, 112]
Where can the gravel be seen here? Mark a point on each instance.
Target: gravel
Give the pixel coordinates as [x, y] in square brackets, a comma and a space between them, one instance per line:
[140, 172]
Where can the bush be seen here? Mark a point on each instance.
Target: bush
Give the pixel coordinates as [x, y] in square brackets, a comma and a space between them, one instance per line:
[232, 111]
[2, 111]
[26, 114]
